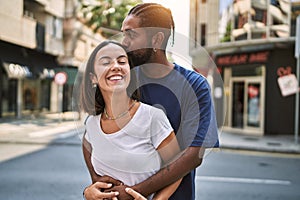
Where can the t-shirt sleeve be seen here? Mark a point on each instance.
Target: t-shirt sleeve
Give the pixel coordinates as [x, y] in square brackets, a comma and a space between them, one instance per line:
[160, 127]
[198, 125]
[86, 133]
[207, 131]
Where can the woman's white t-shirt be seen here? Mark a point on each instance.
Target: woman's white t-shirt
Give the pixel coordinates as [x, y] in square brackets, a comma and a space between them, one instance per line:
[129, 154]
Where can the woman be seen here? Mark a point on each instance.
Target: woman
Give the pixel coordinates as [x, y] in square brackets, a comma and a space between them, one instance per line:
[127, 140]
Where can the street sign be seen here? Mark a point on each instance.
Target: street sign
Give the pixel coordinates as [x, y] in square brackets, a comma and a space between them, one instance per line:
[60, 78]
[288, 84]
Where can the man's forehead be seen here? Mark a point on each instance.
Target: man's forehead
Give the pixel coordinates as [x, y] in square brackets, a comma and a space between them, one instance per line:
[130, 22]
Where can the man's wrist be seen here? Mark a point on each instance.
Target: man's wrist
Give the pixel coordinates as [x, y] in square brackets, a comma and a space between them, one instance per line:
[140, 190]
[137, 189]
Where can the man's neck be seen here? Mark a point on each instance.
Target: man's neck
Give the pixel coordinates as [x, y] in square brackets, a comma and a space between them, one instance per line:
[157, 70]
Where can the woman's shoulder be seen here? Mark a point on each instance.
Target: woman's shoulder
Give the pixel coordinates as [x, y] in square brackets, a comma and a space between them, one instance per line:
[149, 108]
[90, 119]
[151, 111]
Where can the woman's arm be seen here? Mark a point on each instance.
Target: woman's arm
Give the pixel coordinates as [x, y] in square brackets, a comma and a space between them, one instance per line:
[168, 150]
[87, 152]
[87, 149]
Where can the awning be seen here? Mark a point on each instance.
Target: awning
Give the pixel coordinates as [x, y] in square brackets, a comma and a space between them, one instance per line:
[44, 64]
[17, 71]
[11, 53]
[37, 64]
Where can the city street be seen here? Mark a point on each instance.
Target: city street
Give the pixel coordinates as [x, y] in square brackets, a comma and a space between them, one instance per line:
[236, 62]
[57, 171]
[249, 175]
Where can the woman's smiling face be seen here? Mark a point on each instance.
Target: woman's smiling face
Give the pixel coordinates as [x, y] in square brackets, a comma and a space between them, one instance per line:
[111, 69]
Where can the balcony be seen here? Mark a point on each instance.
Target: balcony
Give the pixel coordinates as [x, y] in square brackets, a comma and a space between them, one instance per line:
[20, 31]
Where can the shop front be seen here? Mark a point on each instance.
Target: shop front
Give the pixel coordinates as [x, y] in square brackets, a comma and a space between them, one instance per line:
[254, 102]
[25, 81]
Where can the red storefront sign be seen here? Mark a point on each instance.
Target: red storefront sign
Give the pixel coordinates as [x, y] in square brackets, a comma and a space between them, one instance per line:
[243, 58]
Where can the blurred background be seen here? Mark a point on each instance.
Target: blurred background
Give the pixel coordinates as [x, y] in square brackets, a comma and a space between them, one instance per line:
[248, 50]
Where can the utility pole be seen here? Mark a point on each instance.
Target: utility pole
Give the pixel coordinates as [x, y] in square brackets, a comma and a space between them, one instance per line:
[297, 55]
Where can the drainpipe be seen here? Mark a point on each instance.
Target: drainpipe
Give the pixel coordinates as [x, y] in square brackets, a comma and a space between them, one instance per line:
[19, 98]
[297, 55]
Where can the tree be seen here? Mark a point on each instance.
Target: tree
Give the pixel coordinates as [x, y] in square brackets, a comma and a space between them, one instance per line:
[105, 16]
[227, 35]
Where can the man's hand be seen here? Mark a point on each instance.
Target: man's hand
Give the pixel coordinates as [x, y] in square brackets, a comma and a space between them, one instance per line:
[94, 192]
[107, 179]
[123, 195]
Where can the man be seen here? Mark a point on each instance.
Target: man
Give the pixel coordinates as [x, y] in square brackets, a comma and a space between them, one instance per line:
[183, 94]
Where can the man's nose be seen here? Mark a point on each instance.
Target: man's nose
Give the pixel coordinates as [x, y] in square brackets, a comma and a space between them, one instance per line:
[125, 42]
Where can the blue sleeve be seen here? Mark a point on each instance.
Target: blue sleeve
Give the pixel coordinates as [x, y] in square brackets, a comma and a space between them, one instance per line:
[207, 132]
[198, 126]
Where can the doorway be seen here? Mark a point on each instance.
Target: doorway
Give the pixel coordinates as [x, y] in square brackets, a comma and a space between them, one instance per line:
[247, 103]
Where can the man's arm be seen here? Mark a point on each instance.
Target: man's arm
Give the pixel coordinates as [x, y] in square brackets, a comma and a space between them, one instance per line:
[190, 159]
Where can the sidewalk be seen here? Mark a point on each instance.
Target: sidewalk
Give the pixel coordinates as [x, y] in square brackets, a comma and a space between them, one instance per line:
[20, 137]
[41, 130]
[277, 143]
[46, 129]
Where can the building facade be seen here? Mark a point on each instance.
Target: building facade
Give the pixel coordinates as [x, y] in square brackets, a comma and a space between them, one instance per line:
[38, 39]
[255, 53]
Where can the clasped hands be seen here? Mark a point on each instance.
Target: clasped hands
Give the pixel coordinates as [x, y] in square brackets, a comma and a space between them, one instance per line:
[107, 188]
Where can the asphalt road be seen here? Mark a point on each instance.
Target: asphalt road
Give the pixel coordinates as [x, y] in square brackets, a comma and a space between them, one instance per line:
[246, 175]
[58, 172]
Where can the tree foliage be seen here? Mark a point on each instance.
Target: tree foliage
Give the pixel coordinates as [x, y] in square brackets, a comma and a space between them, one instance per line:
[105, 16]
[227, 35]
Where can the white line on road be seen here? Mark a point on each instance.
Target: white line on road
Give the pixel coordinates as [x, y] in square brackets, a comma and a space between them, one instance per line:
[242, 180]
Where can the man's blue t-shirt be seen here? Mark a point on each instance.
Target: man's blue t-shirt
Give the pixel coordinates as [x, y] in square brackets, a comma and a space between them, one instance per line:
[184, 95]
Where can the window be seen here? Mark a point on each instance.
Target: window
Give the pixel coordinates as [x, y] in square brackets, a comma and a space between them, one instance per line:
[55, 27]
[203, 34]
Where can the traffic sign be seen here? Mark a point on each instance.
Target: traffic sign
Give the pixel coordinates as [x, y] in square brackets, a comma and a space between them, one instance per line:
[60, 78]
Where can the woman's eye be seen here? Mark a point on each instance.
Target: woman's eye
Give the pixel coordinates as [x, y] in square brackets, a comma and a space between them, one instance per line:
[105, 63]
[122, 62]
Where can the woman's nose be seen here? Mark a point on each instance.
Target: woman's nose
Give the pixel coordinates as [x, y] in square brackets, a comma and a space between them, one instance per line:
[115, 65]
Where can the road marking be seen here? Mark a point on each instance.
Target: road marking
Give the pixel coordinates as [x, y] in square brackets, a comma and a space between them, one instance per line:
[243, 180]
[263, 153]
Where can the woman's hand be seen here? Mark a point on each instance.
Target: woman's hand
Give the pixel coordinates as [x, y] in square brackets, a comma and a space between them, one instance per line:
[94, 192]
[134, 194]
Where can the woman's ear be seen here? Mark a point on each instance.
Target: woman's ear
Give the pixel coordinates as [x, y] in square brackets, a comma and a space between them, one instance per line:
[93, 78]
[157, 40]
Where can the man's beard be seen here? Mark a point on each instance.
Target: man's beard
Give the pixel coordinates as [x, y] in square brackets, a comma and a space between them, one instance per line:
[140, 56]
